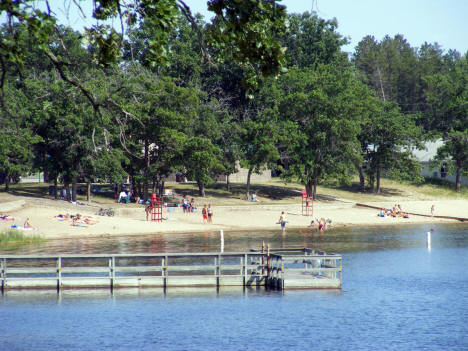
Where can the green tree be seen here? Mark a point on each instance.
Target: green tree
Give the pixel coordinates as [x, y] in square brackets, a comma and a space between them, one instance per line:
[321, 121]
[243, 30]
[447, 113]
[153, 115]
[16, 137]
[386, 138]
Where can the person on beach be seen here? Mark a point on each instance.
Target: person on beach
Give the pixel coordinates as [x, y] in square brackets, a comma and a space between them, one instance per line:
[210, 214]
[185, 204]
[322, 225]
[204, 214]
[192, 205]
[7, 218]
[432, 210]
[26, 224]
[282, 221]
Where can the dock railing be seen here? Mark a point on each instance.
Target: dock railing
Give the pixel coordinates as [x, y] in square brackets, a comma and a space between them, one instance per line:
[167, 269]
[294, 266]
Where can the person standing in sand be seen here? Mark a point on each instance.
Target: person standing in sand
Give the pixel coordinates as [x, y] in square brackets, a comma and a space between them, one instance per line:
[432, 210]
[210, 214]
[204, 214]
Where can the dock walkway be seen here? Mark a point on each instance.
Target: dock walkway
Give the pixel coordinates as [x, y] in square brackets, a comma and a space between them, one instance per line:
[278, 268]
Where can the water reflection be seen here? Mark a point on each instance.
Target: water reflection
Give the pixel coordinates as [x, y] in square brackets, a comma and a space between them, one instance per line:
[340, 240]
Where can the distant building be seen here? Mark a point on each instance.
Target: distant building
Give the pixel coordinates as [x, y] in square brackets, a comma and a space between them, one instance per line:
[241, 176]
[427, 155]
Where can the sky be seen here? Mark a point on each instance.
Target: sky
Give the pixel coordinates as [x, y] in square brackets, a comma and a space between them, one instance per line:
[419, 21]
[442, 21]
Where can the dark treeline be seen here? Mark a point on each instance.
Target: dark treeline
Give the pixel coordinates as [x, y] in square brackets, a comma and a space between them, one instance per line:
[200, 111]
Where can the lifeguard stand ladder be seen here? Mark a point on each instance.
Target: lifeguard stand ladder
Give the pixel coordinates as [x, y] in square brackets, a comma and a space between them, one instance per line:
[156, 208]
[307, 204]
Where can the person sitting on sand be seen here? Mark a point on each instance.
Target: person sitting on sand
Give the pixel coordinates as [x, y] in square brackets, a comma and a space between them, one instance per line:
[26, 224]
[7, 218]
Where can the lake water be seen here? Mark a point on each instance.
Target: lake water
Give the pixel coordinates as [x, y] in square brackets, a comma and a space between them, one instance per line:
[397, 295]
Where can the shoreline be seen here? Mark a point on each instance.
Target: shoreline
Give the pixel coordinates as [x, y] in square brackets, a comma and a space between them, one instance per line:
[130, 221]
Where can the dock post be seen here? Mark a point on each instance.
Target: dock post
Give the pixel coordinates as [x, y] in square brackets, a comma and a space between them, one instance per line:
[218, 271]
[263, 258]
[165, 263]
[3, 274]
[221, 234]
[245, 270]
[59, 272]
[112, 272]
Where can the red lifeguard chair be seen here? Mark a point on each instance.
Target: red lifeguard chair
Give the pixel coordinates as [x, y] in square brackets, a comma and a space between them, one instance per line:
[155, 208]
[307, 204]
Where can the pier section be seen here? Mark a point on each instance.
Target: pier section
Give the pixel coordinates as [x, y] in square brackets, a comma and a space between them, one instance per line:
[275, 268]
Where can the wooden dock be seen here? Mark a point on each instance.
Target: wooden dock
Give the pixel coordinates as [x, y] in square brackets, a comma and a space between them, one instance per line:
[278, 269]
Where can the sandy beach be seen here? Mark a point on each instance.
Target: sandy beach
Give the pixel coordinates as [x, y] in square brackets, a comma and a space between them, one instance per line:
[131, 220]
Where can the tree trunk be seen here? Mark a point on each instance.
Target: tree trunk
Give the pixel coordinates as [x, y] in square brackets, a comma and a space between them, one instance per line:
[56, 190]
[161, 188]
[7, 181]
[377, 189]
[362, 179]
[88, 192]
[314, 193]
[146, 170]
[201, 188]
[458, 179]
[228, 185]
[309, 187]
[74, 189]
[249, 173]
[67, 191]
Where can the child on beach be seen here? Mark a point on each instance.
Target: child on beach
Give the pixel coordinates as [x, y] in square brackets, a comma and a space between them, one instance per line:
[204, 214]
[282, 221]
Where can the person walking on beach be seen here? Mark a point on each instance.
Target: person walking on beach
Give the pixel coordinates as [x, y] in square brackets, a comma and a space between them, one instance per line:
[282, 221]
[432, 210]
[210, 214]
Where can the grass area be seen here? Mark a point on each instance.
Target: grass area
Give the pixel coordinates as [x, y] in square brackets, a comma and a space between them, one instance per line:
[273, 192]
[17, 237]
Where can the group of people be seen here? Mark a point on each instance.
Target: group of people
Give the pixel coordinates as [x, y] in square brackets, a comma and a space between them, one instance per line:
[207, 214]
[77, 220]
[188, 206]
[8, 218]
[321, 225]
[395, 211]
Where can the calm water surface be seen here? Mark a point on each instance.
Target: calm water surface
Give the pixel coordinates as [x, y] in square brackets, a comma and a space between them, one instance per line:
[397, 295]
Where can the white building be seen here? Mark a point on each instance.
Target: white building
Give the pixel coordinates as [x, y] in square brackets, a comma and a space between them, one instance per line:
[427, 155]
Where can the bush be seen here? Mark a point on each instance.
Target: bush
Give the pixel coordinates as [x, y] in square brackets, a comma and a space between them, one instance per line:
[8, 236]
